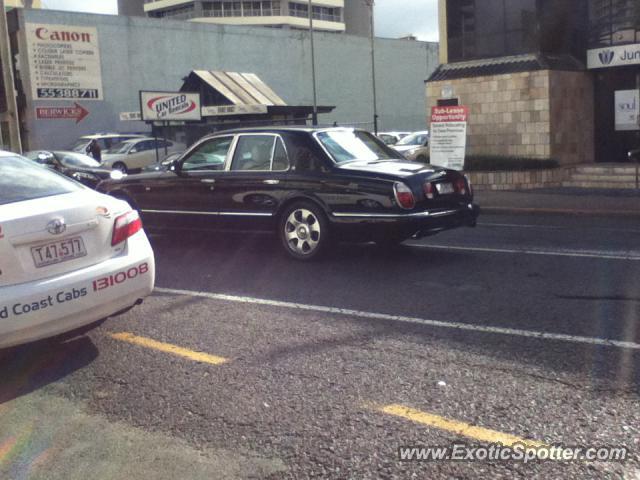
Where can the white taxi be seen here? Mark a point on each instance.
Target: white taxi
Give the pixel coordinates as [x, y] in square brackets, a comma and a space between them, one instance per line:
[69, 256]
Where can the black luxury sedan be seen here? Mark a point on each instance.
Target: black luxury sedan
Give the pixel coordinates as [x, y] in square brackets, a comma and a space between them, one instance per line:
[76, 165]
[309, 185]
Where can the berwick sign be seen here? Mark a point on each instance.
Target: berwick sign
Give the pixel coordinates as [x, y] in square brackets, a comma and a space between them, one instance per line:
[170, 106]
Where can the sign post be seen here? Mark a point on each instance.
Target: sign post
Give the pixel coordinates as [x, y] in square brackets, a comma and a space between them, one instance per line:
[448, 140]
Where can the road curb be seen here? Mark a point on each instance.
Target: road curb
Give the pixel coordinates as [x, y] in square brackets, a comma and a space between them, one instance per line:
[561, 211]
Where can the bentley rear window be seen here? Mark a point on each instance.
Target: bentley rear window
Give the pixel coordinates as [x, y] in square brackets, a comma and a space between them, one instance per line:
[349, 145]
[22, 179]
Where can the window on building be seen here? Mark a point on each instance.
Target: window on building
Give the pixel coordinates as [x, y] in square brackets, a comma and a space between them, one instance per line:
[182, 12]
[212, 9]
[326, 14]
[613, 22]
[495, 28]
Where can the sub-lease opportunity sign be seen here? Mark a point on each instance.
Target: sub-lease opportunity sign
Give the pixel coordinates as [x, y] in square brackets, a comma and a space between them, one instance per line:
[448, 139]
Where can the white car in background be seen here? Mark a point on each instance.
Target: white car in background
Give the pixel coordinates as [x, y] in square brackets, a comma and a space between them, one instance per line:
[69, 256]
[414, 146]
[105, 140]
[138, 153]
[391, 138]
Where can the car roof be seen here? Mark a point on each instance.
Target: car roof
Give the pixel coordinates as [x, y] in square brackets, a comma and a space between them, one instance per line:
[112, 135]
[139, 139]
[5, 153]
[281, 129]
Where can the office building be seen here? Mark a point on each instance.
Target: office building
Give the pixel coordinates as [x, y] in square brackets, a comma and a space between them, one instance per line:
[543, 78]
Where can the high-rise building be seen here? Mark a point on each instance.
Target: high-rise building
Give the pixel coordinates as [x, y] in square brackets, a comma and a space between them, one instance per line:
[131, 7]
[349, 16]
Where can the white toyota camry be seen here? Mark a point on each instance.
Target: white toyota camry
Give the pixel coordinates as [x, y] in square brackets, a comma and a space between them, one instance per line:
[69, 256]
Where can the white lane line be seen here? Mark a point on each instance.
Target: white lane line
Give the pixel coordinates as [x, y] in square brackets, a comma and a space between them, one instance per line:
[556, 227]
[513, 332]
[603, 254]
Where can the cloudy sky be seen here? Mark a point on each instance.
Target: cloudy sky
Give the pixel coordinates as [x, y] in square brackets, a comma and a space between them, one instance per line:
[394, 18]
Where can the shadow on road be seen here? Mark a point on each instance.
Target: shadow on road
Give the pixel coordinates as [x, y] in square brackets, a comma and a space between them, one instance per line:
[30, 367]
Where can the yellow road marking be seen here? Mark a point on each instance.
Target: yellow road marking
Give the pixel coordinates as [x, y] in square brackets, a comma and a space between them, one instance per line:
[459, 428]
[169, 348]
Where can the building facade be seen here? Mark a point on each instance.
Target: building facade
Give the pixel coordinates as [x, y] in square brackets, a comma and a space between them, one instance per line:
[328, 15]
[106, 60]
[531, 73]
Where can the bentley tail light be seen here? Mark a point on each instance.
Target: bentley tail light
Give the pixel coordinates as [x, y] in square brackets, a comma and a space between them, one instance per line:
[460, 186]
[469, 186]
[126, 226]
[429, 191]
[404, 196]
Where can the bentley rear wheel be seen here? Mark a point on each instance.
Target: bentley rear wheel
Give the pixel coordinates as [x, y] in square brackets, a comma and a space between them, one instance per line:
[304, 231]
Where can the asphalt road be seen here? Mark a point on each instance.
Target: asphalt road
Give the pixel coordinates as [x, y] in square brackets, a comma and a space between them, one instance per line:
[527, 328]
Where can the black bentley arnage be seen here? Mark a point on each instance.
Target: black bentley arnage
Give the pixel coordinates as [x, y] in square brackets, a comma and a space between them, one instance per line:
[309, 185]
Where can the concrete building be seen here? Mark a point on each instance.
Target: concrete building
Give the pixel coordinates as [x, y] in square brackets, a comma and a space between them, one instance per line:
[66, 90]
[354, 14]
[131, 8]
[543, 78]
[328, 15]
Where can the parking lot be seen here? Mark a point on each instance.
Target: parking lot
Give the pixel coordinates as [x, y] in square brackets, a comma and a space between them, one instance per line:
[246, 364]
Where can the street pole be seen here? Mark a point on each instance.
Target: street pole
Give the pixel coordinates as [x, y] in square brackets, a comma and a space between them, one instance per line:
[11, 115]
[371, 4]
[313, 67]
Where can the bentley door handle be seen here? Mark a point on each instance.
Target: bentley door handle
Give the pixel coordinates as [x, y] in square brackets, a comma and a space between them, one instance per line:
[208, 180]
[271, 182]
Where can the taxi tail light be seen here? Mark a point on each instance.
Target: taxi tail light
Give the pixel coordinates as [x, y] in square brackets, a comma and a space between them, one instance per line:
[404, 196]
[429, 190]
[125, 227]
[460, 186]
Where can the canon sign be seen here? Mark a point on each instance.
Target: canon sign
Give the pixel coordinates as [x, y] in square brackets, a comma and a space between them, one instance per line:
[62, 36]
[170, 106]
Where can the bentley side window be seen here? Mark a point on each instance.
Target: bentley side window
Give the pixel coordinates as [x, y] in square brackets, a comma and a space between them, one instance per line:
[210, 155]
[253, 152]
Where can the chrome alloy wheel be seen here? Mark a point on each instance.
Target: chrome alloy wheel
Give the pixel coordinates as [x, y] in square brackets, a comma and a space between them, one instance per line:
[302, 231]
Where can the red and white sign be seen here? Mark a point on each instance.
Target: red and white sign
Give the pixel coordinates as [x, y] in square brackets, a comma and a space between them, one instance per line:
[77, 113]
[170, 106]
[448, 139]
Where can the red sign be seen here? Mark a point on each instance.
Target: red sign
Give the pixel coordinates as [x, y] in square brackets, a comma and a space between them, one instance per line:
[449, 114]
[77, 113]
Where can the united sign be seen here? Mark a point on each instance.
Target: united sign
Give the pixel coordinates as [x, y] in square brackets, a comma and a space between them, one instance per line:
[170, 106]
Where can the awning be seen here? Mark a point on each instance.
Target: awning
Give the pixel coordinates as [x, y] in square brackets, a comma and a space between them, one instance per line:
[240, 88]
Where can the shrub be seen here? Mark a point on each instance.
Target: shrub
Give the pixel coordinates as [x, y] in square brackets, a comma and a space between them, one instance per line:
[491, 163]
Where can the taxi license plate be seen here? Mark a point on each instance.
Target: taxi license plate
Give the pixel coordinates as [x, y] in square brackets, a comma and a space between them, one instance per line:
[58, 252]
[444, 188]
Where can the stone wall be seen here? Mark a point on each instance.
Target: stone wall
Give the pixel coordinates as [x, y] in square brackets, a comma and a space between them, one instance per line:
[572, 117]
[518, 180]
[541, 114]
